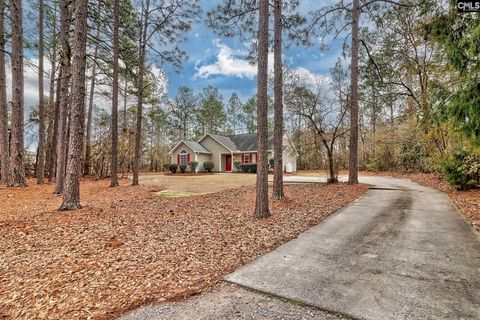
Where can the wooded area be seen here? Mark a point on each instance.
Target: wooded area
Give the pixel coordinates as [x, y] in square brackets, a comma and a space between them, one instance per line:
[404, 95]
[400, 99]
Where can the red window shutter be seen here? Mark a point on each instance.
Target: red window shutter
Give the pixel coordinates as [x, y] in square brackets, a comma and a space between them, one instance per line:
[178, 159]
[188, 158]
[243, 158]
[256, 157]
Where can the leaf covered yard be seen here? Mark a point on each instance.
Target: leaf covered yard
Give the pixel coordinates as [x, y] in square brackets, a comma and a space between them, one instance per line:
[129, 247]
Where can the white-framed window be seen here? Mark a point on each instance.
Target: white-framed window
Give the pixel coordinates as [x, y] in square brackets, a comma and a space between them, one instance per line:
[183, 158]
[246, 158]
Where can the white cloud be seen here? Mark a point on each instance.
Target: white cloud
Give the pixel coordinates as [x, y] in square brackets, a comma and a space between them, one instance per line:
[30, 72]
[228, 64]
[310, 78]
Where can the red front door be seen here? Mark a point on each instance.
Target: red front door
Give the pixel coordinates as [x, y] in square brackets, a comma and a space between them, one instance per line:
[228, 165]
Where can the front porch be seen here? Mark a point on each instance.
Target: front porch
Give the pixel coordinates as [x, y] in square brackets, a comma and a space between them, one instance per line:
[227, 160]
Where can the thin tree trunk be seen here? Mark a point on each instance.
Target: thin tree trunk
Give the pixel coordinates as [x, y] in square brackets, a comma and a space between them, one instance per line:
[53, 162]
[331, 167]
[278, 107]
[17, 170]
[138, 133]
[71, 198]
[261, 201]
[3, 102]
[353, 145]
[51, 124]
[125, 106]
[41, 105]
[116, 45]
[88, 139]
[63, 96]
[52, 129]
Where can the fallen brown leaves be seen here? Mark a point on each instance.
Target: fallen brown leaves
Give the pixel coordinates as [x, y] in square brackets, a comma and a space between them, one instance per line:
[129, 247]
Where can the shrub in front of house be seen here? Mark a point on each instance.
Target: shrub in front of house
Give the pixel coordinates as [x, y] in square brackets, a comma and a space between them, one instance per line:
[208, 166]
[173, 168]
[193, 165]
[183, 168]
[166, 167]
[238, 165]
[249, 168]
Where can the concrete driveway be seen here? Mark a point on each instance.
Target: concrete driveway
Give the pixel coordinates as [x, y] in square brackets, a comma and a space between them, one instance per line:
[402, 251]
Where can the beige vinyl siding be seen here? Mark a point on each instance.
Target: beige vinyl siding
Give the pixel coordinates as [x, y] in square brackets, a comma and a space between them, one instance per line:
[177, 151]
[202, 158]
[252, 157]
[216, 149]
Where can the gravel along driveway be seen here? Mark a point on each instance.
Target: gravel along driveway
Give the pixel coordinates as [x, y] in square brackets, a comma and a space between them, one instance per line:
[230, 302]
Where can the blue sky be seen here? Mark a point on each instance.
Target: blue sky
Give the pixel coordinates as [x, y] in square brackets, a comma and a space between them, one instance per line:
[220, 62]
[212, 60]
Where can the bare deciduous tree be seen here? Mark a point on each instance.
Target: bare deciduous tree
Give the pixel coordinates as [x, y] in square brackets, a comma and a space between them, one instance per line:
[325, 114]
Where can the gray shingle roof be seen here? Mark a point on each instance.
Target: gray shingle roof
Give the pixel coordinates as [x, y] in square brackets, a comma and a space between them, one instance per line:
[196, 147]
[226, 141]
[248, 141]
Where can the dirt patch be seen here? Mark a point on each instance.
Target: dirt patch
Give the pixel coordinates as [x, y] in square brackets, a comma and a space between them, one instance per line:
[187, 174]
[129, 247]
[201, 183]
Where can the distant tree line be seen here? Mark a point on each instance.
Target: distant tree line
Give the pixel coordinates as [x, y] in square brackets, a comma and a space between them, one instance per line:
[403, 95]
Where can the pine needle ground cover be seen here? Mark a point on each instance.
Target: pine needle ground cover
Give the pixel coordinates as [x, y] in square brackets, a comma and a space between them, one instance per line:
[129, 247]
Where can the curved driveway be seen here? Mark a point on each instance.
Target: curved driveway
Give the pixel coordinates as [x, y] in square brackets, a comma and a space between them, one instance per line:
[402, 251]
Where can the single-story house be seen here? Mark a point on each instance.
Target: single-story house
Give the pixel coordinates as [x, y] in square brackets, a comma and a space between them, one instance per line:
[223, 151]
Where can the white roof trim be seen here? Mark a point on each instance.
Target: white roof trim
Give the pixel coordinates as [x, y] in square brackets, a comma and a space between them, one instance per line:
[208, 134]
[178, 145]
[186, 143]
